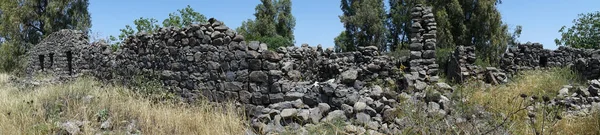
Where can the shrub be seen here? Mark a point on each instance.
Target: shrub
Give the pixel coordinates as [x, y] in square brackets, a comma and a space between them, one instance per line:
[276, 42]
[11, 57]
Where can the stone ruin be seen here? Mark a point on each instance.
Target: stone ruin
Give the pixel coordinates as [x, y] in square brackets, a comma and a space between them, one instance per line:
[58, 54]
[300, 86]
[422, 67]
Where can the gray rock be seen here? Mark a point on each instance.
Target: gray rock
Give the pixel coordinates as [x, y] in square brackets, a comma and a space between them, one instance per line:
[304, 114]
[416, 46]
[238, 38]
[315, 115]
[415, 54]
[360, 106]
[363, 118]
[335, 115]
[420, 86]
[349, 76]
[106, 125]
[376, 92]
[347, 109]
[443, 86]
[271, 56]
[258, 76]
[287, 113]
[72, 127]
[291, 96]
[323, 107]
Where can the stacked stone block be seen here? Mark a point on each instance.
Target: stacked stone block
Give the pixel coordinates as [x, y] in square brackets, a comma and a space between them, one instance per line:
[461, 65]
[423, 68]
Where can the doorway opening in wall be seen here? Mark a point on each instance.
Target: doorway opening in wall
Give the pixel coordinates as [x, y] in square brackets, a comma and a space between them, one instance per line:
[543, 61]
[51, 60]
[41, 61]
[70, 62]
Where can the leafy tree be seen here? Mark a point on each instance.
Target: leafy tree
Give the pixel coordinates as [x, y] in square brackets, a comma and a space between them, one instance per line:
[468, 22]
[399, 22]
[30, 20]
[513, 40]
[184, 18]
[364, 21]
[273, 24]
[584, 34]
[25, 22]
[341, 42]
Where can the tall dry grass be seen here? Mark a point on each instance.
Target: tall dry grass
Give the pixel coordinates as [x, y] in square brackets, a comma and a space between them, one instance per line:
[41, 110]
[505, 98]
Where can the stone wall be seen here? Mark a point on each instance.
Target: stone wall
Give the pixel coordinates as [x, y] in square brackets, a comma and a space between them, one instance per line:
[533, 56]
[422, 67]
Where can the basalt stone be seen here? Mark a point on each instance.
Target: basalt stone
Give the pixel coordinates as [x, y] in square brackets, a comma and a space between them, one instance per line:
[416, 47]
[349, 76]
[258, 76]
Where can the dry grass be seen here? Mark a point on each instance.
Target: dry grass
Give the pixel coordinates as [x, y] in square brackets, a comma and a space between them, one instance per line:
[579, 125]
[505, 98]
[41, 110]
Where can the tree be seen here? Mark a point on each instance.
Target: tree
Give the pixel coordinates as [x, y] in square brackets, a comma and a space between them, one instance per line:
[273, 24]
[341, 42]
[468, 22]
[364, 21]
[585, 33]
[399, 22]
[26, 22]
[30, 20]
[185, 17]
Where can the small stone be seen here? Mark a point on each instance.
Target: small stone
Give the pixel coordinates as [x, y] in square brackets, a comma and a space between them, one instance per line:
[335, 115]
[363, 118]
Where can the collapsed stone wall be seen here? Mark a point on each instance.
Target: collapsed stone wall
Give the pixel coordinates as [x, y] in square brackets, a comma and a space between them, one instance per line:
[461, 67]
[529, 56]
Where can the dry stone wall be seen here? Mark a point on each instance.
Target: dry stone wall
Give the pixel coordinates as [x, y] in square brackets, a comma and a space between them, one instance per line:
[422, 67]
[533, 56]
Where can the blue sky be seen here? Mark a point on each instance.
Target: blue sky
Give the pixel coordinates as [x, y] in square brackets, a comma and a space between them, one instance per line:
[317, 21]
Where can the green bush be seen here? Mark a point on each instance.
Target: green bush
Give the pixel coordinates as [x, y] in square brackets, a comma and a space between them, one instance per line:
[11, 57]
[276, 42]
[442, 56]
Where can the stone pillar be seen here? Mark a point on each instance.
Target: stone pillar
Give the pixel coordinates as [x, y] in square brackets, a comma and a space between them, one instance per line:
[423, 68]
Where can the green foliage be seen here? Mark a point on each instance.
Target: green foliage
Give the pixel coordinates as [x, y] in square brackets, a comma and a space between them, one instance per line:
[276, 42]
[398, 22]
[585, 33]
[442, 57]
[26, 22]
[185, 17]
[30, 20]
[11, 57]
[365, 24]
[343, 43]
[273, 24]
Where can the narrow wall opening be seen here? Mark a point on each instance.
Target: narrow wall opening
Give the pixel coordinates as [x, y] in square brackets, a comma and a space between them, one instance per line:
[70, 62]
[51, 60]
[543, 61]
[41, 61]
